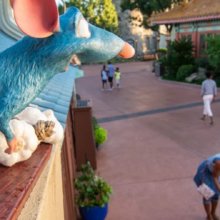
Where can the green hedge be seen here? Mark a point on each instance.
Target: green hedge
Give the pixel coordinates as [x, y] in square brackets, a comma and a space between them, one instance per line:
[184, 71]
[180, 52]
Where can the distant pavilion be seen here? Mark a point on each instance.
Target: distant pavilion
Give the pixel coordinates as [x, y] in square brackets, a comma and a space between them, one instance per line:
[196, 20]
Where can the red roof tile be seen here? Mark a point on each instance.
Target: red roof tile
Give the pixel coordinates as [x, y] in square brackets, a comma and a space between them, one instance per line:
[195, 10]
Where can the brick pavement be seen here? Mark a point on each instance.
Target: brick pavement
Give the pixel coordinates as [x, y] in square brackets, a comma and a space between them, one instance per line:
[150, 159]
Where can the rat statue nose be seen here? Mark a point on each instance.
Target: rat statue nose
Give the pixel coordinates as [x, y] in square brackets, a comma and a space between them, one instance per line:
[127, 51]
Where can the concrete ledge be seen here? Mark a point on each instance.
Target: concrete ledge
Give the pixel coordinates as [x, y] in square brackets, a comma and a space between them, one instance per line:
[46, 198]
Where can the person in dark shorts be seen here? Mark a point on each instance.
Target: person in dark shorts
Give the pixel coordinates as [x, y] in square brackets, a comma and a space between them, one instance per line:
[111, 72]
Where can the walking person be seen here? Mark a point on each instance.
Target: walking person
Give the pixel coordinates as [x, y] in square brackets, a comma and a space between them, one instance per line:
[117, 77]
[104, 77]
[111, 72]
[208, 176]
[208, 93]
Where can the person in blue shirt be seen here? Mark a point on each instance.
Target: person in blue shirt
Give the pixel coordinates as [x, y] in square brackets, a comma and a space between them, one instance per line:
[208, 172]
[111, 73]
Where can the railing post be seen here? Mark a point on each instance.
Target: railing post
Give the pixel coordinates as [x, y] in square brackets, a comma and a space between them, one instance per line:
[85, 149]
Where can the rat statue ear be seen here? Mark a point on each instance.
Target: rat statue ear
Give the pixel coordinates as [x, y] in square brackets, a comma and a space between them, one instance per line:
[36, 18]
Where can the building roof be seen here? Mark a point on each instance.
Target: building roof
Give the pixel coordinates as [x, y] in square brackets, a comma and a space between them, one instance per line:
[195, 10]
[5, 41]
[57, 93]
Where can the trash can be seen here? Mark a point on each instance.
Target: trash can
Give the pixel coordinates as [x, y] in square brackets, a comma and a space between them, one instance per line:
[159, 69]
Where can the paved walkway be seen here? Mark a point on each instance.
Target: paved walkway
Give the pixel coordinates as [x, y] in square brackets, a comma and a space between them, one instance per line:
[155, 143]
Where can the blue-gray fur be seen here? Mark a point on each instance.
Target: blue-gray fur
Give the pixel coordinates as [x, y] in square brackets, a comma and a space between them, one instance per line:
[26, 67]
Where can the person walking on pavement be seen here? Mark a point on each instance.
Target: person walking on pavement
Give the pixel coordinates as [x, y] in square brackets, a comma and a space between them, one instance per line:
[104, 77]
[117, 77]
[208, 93]
[111, 72]
[208, 175]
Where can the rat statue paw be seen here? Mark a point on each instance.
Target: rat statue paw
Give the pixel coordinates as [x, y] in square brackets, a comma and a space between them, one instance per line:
[12, 146]
[15, 145]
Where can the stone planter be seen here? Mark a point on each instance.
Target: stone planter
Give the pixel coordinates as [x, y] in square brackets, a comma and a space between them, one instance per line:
[201, 73]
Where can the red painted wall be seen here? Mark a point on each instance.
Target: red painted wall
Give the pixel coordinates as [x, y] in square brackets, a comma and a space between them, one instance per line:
[195, 36]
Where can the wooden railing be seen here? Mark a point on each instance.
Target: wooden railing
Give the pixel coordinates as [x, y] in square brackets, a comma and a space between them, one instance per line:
[20, 181]
[17, 182]
[69, 169]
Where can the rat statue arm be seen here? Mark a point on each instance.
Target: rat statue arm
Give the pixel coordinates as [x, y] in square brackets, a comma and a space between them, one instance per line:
[53, 41]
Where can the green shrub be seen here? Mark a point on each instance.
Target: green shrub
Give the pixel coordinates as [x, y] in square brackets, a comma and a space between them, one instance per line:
[91, 190]
[217, 80]
[101, 135]
[202, 62]
[94, 123]
[118, 59]
[179, 53]
[213, 52]
[162, 50]
[184, 71]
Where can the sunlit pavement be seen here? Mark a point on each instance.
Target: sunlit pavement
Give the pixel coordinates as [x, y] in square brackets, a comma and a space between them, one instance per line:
[155, 142]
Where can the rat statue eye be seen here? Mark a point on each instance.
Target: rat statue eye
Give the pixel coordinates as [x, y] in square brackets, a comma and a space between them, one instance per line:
[83, 29]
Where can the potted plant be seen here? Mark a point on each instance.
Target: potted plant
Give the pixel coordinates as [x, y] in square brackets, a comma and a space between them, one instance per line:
[92, 194]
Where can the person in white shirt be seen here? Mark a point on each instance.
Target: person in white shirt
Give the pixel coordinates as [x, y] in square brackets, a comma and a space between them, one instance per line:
[104, 77]
[208, 93]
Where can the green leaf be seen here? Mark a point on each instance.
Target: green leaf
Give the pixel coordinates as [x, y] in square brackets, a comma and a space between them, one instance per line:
[91, 190]
[101, 13]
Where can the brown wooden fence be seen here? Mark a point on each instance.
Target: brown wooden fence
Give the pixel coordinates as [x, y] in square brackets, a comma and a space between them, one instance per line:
[78, 147]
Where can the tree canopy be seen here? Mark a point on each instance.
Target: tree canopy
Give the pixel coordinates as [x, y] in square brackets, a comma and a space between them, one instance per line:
[101, 13]
[147, 7]
[213, 52]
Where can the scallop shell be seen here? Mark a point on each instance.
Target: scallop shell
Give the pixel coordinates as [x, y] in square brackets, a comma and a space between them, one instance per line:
[44, 129]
